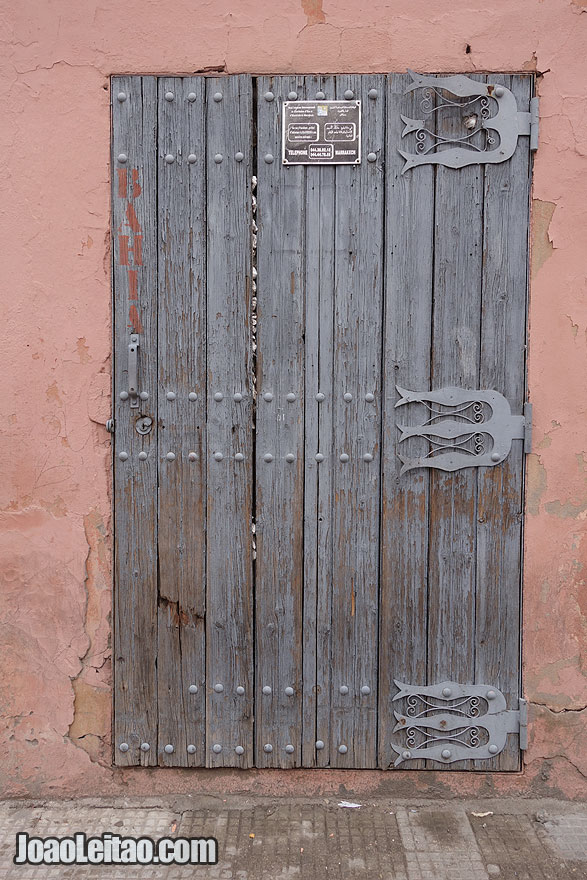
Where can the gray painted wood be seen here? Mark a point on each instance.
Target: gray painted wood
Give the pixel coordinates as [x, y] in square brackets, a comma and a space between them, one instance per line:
[279, 484]
[135, 482]
[229, 618]
[438, 597]
[318, 582]
[406, 362]
[182, 370]
[500, 498]
[358, 309]
[456, 321]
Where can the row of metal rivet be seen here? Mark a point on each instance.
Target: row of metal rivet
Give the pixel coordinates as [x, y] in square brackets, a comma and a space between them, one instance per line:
[269, 96]
[217, 748]
[289, 748]
[446, 753]
[267, 396]
[268, 457]
[239, 156]
[289, 691]
[219, 158]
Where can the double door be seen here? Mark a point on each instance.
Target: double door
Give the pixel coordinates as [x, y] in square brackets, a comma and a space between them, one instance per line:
[303, 578]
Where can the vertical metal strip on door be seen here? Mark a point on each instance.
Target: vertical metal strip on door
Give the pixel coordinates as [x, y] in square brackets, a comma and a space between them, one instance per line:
[406, 361]
[229, 447]
[134, 174]
[354, 454]
[181, 389]
[279, 483]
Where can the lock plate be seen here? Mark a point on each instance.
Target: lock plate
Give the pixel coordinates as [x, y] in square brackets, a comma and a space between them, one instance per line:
[144, 425]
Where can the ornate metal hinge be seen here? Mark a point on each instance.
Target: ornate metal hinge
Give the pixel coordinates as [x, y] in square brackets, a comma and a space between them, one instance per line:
[454, 722]
[487, 137]
[464, 429]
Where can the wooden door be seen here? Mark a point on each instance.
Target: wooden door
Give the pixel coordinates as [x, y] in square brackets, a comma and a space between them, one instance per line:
[289, 589]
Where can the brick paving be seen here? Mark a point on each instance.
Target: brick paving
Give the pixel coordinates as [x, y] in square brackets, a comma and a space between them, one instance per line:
[273, 839]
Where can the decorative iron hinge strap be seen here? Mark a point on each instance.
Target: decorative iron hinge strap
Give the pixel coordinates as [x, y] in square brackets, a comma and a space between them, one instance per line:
[463, 428]
[450, 722]
[485, 136]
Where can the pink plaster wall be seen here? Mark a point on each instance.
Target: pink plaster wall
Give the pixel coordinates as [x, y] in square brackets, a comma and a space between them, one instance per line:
[55, 63]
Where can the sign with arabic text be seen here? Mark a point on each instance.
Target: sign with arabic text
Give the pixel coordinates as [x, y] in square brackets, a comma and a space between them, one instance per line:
[321, 133]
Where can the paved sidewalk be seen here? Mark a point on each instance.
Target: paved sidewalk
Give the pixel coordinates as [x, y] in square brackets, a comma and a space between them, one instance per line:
[318, 839]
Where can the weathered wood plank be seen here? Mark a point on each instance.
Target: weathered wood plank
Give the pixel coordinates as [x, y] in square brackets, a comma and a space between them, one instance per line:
[406, 362]
[279, 433]
[319, 286]
[458, 246]
[229, 631]
[182, 371]
[358, 312]
[500, 500]
[134, 250]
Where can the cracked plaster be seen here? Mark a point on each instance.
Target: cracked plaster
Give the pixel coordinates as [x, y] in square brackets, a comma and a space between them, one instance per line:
[54, 493]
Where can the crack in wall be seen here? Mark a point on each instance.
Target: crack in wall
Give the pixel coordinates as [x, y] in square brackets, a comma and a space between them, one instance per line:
[558, 711]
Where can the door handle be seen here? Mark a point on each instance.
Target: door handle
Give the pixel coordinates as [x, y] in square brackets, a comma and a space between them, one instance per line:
[133, 367]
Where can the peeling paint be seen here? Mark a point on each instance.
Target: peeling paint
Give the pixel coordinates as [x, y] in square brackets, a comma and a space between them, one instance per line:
[89, 729]
[314, 12]
[574, 327]
[536, 484]
[568, 510]
[542, 247]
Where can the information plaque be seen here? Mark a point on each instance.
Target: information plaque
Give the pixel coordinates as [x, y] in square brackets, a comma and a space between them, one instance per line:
[321, 133]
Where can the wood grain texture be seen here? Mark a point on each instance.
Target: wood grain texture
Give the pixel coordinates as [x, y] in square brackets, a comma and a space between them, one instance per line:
[318, 583]
[358, 310]
[279, 431]
[229, 618]
[367, 279]
[406, 362]
[181, 371]
[134, 236]
[502, 366]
